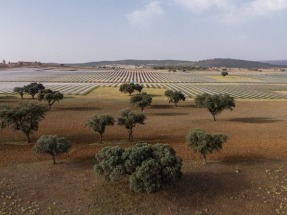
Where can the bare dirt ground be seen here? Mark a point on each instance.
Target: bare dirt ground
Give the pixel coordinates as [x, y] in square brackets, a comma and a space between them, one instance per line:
[249, 176]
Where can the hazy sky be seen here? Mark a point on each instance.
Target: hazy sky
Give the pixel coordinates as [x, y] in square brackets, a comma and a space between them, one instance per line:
[70, 31]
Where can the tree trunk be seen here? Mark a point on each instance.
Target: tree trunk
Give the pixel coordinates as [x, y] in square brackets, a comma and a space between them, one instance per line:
[175, 104]
[33, 96]
[214, 117]
[203, 156]
[21, 96]
[130, 135]
[101, 138]
[28, 137]
[54, 159]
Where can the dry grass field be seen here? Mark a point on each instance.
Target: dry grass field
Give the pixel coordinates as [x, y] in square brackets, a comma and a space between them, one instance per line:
[249, 176]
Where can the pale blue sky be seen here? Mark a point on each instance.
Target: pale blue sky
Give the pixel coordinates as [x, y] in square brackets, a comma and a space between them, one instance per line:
[70, 31]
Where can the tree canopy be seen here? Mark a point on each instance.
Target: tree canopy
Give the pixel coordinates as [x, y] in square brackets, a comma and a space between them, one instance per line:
[129, 119]
[215, 103]
[130, 88]
[99, 123]
[51, 144]
[50, 96]
[20, 91]
[33, 88]
[204, 143]
[141, 100]
[24, 117]
[149, 167]
[174, 96]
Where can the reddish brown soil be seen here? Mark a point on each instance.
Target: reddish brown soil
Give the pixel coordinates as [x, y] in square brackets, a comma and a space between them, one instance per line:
[251, 179]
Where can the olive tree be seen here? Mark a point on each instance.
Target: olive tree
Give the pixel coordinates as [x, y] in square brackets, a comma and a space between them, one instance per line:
[24, 117]
[50, 96]
[130, 119]
[215, 103]
[174, 96]
[224, 73]
[127, 88]
[52, 145]
[141, 100]
[99, 123]
[138, 87]
[33, 88]
[149, 167]
[20, 91]
[204, 143]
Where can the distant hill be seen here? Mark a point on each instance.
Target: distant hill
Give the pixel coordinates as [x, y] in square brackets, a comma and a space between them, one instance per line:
[277, 62]
[231, 63]
[217, 62]
[135, 63]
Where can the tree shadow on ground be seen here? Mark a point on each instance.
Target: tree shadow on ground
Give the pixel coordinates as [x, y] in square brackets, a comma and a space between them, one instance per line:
[8, 97]
[77, 108]
[162, 106]
[168, 114]
[247, 159]
[254, 120]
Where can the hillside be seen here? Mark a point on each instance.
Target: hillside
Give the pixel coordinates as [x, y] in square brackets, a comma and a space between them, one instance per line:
[277, 62]
[217, 62]
[136, 63]
[232, 63]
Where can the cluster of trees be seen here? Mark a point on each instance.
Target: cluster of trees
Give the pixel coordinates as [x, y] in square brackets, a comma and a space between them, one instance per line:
[149, 167]
[44, 94]
[174, 68]
[128, 118]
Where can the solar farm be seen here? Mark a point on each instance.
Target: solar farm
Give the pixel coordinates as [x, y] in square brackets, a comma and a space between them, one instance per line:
[239, 84]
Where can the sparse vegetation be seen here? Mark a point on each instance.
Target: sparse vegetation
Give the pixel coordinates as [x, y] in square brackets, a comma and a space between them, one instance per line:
[215, 104]
[33, 88]
[99, 123]
[20, 91]
[174, 96]
[50, 96]
[149, 167]
[52, 145]
[204, 143]
[129, 119]
[24, 117]
[141, 100]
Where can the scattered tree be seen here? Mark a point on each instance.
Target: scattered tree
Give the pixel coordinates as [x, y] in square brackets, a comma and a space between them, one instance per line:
[174, 96]
[224, 73]
[51, 144]
[3, 115]
[204, 143]
[138, 87]
[127, 88]
[129, 119]
[215, 103]
[50, 96]
[19, 90]
[24, 117]
[99, 123]
[141, 100]
[33, 88]
[149, 167]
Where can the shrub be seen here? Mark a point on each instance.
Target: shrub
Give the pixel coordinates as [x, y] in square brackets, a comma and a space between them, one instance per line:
[149, 167]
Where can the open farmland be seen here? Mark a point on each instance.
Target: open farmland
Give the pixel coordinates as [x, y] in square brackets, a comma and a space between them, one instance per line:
[240, 84]
[247, 177]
